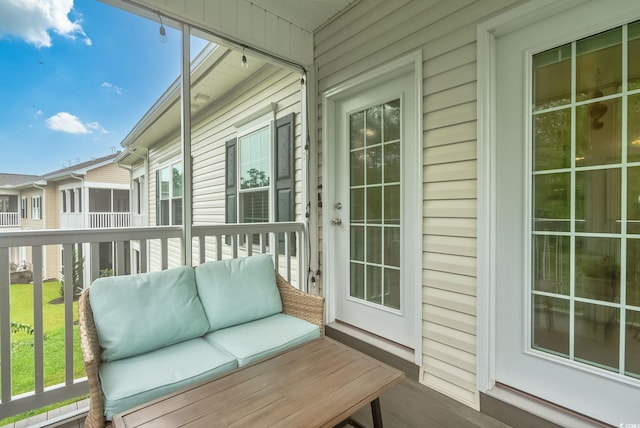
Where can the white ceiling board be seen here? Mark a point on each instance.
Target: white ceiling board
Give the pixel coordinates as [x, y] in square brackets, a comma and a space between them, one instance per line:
[280, 29]
[308, 14]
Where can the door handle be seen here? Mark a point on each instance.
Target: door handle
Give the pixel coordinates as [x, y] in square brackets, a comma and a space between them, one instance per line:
[336, 221]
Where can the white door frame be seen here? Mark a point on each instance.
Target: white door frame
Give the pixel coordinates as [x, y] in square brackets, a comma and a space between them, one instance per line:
[329, 99]
[487, 32]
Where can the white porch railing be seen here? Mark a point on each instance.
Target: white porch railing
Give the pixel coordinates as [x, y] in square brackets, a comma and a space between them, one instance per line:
[9, 220]
[109, 219]
[71, 220]
[154, 244]
[138, 220]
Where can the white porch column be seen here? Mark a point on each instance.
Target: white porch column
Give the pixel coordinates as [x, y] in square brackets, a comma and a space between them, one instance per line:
[187, 174]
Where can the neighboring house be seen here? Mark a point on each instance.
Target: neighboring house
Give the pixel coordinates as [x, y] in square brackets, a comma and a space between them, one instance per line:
[13, 205]
[22, 199]
[498, 244]
[92, 194]
[246, 148]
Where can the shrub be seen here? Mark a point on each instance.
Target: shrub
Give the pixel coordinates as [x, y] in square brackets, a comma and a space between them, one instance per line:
[76, 274]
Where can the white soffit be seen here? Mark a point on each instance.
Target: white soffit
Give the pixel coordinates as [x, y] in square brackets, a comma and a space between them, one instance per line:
[307, 14]
[281, 28]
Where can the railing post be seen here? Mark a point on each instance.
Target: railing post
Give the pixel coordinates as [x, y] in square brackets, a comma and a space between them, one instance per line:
[5, 326]
[38, 318]
[68, 311]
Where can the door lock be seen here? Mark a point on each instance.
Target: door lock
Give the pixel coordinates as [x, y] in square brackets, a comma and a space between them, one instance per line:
[336, 221]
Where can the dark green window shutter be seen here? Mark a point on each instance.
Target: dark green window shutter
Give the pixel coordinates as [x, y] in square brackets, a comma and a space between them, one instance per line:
[284, 172]
[158, 216]
[231, 185]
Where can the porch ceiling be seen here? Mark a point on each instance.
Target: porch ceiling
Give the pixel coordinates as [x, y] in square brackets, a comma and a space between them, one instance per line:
[278, 28]
[308, 14]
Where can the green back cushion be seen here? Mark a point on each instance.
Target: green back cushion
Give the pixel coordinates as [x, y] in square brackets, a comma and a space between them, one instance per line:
[238, 290]
[135, 314]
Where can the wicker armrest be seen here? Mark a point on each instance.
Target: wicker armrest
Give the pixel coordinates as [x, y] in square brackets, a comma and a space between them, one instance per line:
[91, 352]
[302, 305]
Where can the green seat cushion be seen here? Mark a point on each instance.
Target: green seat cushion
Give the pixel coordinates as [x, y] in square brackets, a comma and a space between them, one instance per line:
[132, 381]
[262, 338]
[135, 314]
[238, 291]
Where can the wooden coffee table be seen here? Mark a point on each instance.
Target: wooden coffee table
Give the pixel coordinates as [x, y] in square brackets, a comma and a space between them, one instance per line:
[318, 384]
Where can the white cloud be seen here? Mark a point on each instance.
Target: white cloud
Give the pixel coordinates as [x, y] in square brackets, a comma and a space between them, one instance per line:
[112, 87]
[66, 122]
[95, 126]
[32, 20]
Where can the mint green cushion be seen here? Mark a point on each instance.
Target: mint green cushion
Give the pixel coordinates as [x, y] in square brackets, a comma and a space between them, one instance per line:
[261, 338]
[238, 290]
[132, 381]
[139, 313]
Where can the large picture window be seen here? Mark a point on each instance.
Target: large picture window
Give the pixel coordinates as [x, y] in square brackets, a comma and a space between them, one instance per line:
[586, 200]
[169, 195]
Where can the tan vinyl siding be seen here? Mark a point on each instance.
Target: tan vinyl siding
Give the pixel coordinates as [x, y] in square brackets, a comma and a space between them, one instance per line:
[110, 173]
[50, 219]
[370, 34]
[28, 223]
[51, 208]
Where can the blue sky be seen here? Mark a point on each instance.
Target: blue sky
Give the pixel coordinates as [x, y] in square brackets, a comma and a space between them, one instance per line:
[75, 77]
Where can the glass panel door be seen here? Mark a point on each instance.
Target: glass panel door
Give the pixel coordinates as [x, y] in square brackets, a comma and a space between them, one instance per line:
[585, 243]
[373, 207]
[374, 190]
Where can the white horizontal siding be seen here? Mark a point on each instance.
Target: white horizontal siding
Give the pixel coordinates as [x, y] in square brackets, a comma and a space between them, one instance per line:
[450, 226]
[372, 33]
[449, 153]
[462, 189]
[209, 136]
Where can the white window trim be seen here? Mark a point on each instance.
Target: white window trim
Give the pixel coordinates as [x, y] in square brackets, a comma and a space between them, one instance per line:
[39, 210]
[329, 99]
[264, 114]
[166, 164]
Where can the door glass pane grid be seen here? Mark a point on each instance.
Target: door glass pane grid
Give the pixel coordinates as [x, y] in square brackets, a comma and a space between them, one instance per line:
[586, 201]
[375, 204]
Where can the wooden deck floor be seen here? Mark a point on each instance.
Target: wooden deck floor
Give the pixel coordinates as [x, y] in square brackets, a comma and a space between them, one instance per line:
[408, 404]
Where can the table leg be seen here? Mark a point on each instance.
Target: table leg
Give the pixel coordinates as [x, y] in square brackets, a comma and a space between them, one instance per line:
[376, 413]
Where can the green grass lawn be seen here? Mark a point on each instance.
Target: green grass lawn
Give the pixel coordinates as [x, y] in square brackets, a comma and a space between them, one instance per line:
[22, 356]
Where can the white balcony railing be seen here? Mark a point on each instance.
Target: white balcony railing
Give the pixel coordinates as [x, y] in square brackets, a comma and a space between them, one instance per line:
[158, 249]
[71, 220]
[9, 220]
[109, 219]
[138, 220]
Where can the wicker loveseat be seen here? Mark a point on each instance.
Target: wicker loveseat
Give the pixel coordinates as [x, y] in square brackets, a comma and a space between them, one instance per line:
[144, 336]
